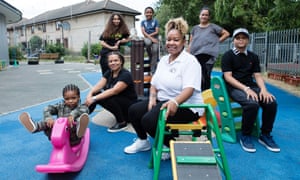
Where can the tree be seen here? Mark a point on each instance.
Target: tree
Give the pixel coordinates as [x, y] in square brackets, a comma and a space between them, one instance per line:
[35, 43]
[284, 15]
[189, 10]
[243, 13]
[256, 16]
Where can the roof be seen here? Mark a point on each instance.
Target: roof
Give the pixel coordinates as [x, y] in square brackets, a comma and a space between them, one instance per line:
[80, 9]
[12, 15]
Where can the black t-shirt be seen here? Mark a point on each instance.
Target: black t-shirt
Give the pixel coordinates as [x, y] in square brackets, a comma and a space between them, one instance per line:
[242, 66]
[124, 76]
[111, 41]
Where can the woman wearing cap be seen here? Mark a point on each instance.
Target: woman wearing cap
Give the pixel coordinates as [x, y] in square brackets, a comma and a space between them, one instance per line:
[204, 44]
[241, 71]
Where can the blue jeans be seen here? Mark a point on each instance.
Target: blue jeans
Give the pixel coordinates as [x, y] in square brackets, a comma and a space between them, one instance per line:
[251, 108]
[152, 52]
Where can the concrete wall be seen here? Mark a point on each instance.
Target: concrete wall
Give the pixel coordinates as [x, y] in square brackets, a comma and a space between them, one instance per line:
[3, 40]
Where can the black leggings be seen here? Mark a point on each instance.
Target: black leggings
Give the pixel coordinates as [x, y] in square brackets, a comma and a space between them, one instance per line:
[206, 70]
[144, 121]
[117, 105]
[104, 63]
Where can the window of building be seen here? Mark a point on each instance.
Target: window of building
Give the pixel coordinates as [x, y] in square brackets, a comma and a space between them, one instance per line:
[32, 29]
[58, 25]
[44, 27]
[57, 41]
[23, 30]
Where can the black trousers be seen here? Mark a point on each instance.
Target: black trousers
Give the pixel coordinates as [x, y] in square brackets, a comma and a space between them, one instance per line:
[103, 63]
[251, 109]
[117, 105]
[206, 70]
[145, 122]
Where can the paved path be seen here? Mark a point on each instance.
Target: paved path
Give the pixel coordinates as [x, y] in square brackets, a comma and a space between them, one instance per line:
[27, 85]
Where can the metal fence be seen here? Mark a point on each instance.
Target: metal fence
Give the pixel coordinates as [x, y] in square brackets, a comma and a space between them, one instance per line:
[279, 51]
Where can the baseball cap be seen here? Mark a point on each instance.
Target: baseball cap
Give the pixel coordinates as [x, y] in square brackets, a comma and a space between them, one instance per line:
[240, 30]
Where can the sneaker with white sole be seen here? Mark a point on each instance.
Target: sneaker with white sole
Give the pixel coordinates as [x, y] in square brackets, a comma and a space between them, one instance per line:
[247, 144]
[165, 156]
[138, 146]
[27, 122]
[269, 143]
[118, 127]
[82, 124]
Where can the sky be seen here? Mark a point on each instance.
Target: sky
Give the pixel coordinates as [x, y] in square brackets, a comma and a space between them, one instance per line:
[33, 8]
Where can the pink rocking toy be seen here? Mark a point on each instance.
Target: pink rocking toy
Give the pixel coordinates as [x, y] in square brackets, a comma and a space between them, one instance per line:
[65, 158]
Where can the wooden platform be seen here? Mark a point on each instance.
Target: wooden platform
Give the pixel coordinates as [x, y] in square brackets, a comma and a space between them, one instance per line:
[193, 160]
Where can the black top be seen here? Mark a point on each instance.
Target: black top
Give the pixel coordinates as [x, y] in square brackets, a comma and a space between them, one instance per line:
[125, 76]
[241, 65]
[111, 41]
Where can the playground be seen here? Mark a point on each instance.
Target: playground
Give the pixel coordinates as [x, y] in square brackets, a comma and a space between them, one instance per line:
[22, 151]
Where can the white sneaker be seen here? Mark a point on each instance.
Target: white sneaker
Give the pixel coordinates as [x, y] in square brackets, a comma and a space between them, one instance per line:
[137, 146]
[165, 155]
[27, 122]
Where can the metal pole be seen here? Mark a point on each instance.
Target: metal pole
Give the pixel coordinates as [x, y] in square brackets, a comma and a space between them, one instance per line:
[89, 46]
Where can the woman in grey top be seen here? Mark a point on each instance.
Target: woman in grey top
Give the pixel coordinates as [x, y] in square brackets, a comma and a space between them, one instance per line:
[204, 44]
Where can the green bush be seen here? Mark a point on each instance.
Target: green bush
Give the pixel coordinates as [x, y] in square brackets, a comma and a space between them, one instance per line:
[74, 58]
[56, 48]
[218, 61]
[95, 50]
[15, 53]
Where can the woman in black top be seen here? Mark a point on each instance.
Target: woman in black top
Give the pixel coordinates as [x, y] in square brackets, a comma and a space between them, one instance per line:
[115, 91]
[115, 33]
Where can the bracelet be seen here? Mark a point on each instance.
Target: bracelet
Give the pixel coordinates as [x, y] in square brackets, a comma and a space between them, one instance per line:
[246, 88]
[174, 101]
[153, 95]
[94, 98]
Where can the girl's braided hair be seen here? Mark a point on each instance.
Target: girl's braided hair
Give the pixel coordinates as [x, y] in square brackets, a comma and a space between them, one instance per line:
[71, 87]
[179, 24]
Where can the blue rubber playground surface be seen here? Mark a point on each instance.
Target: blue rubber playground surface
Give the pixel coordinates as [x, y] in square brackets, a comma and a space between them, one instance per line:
[21, 151]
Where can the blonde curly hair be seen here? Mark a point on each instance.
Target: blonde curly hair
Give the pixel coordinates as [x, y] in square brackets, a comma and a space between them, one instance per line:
[179, 24]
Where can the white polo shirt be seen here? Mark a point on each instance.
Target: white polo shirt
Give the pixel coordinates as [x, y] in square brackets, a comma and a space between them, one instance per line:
[171, 78]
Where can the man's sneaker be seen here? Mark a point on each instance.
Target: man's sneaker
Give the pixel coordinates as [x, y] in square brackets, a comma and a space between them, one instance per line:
[118, 127]
[82, 124]
[269, 143]
[246, 143]
[137, 146]
[27, 122]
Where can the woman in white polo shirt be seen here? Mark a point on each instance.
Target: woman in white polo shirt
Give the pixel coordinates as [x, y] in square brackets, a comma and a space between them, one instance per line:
[175, 81]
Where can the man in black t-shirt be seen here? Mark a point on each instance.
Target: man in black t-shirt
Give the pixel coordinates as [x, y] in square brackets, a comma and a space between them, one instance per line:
[241, 71]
